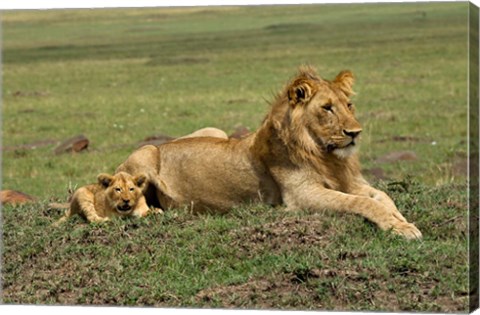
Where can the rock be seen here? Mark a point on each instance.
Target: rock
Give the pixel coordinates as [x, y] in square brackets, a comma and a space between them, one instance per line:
[14, 197]
[156, 140]
[240, 132]
[397, 156]
[75, 144]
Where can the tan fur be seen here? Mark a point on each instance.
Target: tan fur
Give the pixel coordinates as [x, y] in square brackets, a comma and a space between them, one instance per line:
[112, 196]
[302, 156]
[206, 132]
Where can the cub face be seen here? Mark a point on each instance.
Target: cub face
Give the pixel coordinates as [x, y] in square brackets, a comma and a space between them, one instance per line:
[122, 191]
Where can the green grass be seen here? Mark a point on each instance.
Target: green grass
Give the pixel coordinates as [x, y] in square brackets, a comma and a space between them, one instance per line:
[118, 76]
[253, 257]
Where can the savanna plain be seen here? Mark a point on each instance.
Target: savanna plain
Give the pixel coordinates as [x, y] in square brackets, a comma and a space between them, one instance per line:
[119, 76]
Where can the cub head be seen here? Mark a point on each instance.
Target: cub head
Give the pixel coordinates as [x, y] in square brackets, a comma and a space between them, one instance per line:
[322, 117]
[122, 190]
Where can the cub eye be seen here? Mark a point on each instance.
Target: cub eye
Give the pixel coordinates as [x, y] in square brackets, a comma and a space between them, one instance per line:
[132, 189]
[328, 107]
[118, 189]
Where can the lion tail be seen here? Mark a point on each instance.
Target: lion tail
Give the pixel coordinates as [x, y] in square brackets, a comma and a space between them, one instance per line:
[58, 205]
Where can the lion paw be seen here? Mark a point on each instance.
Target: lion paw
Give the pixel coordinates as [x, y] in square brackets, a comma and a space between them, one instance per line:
[407, 230]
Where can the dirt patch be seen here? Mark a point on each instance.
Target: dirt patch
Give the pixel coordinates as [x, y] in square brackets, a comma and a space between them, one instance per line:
[30, 94]
[292, 27]
[460, 164]
[234, 101]
[378, 115]
[405, 139]
[397, 156]
[259, 293]
[155, 140]
[180, 60]
[376, 173]
[282, 235]
[29, 146]
[74, 144]
[305, 289]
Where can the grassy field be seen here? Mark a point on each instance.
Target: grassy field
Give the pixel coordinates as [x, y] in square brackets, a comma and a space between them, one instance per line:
[119, 76]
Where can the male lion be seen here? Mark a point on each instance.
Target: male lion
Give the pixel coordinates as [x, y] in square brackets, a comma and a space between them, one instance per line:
[303, 156]
[117, 195]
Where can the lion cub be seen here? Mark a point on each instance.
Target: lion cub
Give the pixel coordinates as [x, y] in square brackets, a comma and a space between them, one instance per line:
[113, 195]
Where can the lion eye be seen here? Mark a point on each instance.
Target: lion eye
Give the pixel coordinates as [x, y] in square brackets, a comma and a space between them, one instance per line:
[328, 107]
[118, 189]
[132, 189]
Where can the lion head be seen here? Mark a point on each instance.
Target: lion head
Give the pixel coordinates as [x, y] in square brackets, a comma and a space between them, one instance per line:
[122, 190]
[318, 115]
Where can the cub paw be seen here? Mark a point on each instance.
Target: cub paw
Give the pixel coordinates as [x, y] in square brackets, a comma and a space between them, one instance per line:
[156, 210]
[99, 220]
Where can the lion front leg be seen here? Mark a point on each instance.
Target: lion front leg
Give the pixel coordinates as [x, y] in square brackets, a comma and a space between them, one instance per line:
[378, 195]
[384, 199]
[385, 217]
[362, 188]
[83, 203]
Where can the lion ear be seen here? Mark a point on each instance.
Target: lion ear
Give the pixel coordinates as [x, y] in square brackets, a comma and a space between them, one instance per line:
[140, 180]
[344, 81]
[104, 179]
[300, 92]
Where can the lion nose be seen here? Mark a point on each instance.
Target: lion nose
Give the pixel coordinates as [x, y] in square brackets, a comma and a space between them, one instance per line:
[126, 200]
[352, 133]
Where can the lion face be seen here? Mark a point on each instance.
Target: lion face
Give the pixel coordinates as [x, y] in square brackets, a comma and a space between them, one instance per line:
[122, 190]
[323, 115]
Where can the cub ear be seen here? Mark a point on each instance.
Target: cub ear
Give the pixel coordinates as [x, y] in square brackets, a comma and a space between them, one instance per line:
[104, 179]
[344, 81]
[140, 180]
[299, 92]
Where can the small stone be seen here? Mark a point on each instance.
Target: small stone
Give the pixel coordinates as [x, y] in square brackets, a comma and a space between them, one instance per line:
[75, 144]
[240, 132]
[14, 197]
